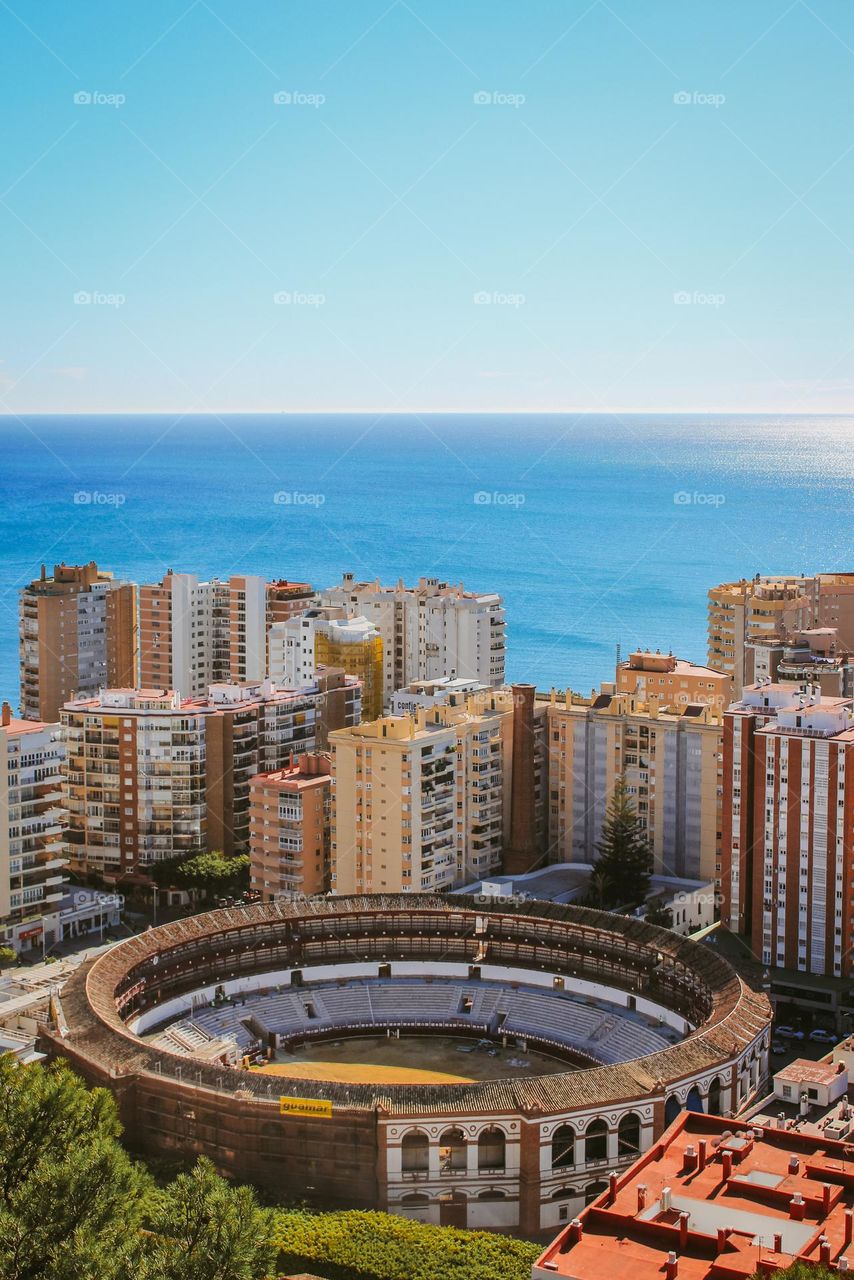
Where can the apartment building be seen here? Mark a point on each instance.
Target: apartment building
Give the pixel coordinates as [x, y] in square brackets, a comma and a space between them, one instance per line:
[151, 774]
[289, 827]
[764, 607]
[671, 760]
[77, 632]
[32, 823]
[813, 656]
[432, 630]
[429, 693]
[287, 600]
[327, 637]
[422, 803]
[672, 682]
[788, 839]
[193, 634]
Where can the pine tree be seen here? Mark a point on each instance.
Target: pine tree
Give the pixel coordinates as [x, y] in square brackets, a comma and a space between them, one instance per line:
[622, 870]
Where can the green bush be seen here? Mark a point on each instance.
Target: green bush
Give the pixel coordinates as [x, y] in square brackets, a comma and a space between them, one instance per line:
[364, 1245]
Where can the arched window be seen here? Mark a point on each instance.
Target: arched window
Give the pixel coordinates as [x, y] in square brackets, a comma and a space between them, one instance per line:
[671, 1110]
[563, 1147]
[594, 1189]
[414, 1199]
[596, 1141]
[490, 1150]
[452, 1151]
[415, 1152]
[715, 1097]
[628, 1135]
[491, 1195]
[564, 1193]
[694, 1101]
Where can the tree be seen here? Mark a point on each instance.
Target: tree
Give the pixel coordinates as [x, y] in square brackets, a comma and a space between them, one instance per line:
[657, 913]
[201, 1228]
[8, 955]
[624, 865]
[205, 873]
[70, 1197]
[74, 1206]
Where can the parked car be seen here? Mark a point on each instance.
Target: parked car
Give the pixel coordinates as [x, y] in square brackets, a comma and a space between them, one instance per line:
[790, 1033]
[820, 1036]
[778, 1049]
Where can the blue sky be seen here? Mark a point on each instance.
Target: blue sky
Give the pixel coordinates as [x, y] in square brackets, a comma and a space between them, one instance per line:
[647, 206]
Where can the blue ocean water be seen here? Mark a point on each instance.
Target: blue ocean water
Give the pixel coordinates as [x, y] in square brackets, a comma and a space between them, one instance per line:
[598, 530]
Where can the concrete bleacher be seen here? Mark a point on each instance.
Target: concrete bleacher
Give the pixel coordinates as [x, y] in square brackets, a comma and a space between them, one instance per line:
[593, 1028]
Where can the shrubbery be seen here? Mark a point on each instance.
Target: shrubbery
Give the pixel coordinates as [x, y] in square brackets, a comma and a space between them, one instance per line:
[362, 1245]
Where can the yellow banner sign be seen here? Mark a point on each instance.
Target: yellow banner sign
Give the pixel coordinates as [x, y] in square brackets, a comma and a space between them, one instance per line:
[305, 1107]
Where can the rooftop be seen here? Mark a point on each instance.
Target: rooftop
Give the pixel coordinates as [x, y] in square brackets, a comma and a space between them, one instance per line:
[714, 1198]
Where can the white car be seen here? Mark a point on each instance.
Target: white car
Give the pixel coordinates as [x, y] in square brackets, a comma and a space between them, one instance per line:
[789, 1033]
[820, 1036]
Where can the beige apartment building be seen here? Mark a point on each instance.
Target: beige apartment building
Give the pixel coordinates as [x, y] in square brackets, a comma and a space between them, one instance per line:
[77, 633]
[429, 631]
[289, 827]
[32, 823]
[422, 802]
[151, 774]
[671, 759]
[672, 682]
[764, 608]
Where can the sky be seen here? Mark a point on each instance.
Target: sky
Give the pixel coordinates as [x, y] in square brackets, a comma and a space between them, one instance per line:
[328, 205]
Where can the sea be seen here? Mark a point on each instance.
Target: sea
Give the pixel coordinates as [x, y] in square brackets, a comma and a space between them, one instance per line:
[602, 532]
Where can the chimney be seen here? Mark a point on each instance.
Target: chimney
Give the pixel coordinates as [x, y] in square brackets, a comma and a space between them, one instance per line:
[825, 1198]
[612, 1187]
[522, 855]
[641, 1196]
[671, 1267]
[797, 1208]
[849, 1227]
[842, 1263]
[824, 1251]
[689, 1159]
[6, 714]
[683, 1229]
[726, 1161]
[723, 1232]
[794, 1164]
[778, 1242]
[576, 1230]
[702, 1146]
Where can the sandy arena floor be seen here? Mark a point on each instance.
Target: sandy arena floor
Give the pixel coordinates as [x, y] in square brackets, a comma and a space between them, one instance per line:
[410, 1060]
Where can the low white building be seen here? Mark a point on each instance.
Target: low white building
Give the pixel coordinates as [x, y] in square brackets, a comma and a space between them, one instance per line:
[804, 1083]
[429, 693]
[691, 903]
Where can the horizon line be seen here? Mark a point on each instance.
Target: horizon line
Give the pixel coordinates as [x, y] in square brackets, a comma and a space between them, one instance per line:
[415, 413]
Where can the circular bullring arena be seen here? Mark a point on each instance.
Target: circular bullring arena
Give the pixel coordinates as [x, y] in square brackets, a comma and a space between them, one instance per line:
[455, 1060]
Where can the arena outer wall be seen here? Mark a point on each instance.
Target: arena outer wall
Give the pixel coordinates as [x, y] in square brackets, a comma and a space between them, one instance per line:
[175, 1106]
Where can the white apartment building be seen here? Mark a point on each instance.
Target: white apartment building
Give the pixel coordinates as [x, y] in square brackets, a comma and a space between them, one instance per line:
[32, 821]
[193, 634]
[429, 631]
[293, 644]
